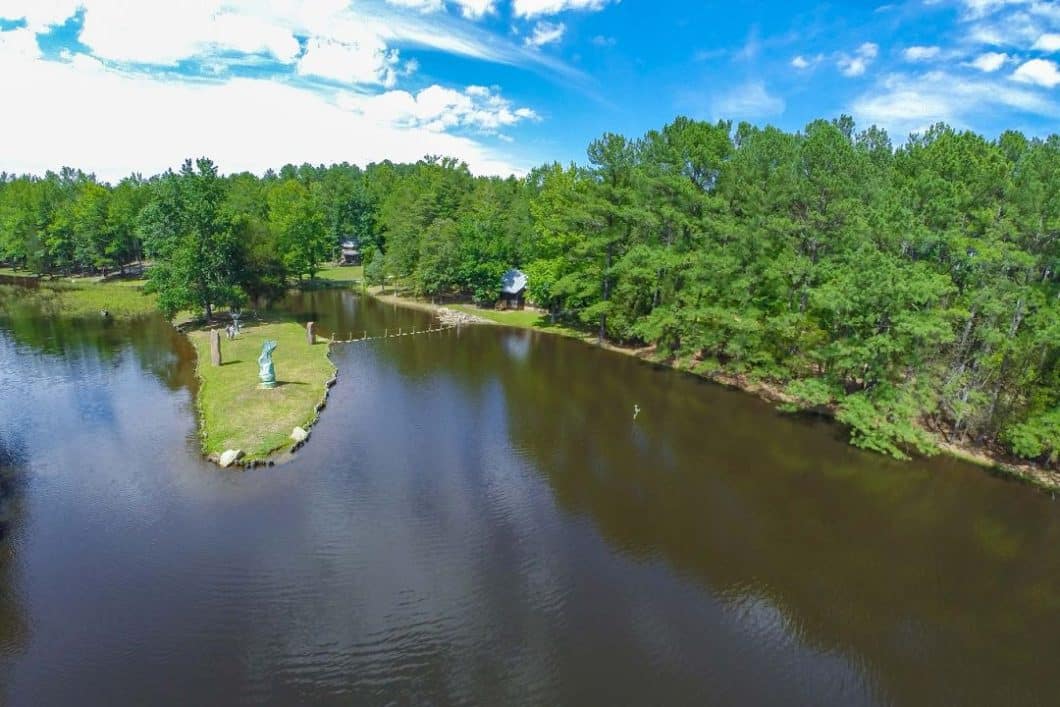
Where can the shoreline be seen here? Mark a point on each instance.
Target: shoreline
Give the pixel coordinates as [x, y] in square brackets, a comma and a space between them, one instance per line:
[254, 426]
[1030, 474]
[527, 320]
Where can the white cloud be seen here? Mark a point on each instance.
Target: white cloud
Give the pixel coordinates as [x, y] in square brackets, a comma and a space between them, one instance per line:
[1038, 71]
[39, 14]
[18, 45]
[601, 40]
[750, 100]
[868, 50]
[990, 61]
[857, 64]
[802, 63]
[981, 8]
[905, 103]
[1049, 42]
[475, 9]
[420, 5]
[535, 8]
[1011, 29]
[165, 33]
[920, 53]
[366, 60]
[471, 9]
[147, 124]
[546, 33]
[437, 108]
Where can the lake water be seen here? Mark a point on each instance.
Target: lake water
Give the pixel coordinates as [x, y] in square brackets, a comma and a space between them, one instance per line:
[478, 519]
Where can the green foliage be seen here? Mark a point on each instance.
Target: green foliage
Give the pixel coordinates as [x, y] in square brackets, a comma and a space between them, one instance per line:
[885, 421]
[906, 288]
[374, 268]
[297, 218]
[813, 392]
[199, 257]
[1038, 437]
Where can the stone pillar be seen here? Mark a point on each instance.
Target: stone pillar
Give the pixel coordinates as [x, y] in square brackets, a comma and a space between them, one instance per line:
[215, 346]
[311, 333]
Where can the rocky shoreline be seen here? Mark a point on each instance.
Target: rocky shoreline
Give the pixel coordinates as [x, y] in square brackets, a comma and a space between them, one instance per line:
[299, 437]
[452, 317]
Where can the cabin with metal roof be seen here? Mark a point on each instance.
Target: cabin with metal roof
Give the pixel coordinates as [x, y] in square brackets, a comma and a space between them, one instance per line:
[350, 252]
[513, 290]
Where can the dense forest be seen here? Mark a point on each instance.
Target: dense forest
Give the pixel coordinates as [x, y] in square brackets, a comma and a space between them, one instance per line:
[913, 291]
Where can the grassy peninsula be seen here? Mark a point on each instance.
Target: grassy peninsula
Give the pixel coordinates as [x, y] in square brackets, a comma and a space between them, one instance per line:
[235, 413]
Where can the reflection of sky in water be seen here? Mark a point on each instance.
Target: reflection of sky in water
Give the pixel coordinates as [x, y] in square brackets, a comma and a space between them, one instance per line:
[518, 346]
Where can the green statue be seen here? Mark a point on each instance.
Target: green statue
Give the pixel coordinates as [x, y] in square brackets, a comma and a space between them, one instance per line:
[267, 372]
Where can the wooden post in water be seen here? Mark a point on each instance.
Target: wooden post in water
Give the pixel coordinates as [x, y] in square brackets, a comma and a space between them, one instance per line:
[215, 347]
[311, 333]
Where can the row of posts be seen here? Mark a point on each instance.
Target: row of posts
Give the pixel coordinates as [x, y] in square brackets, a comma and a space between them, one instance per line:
[311, 338]
[386, 334]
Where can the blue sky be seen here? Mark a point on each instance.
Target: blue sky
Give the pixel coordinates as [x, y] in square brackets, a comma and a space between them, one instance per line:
[116, 86]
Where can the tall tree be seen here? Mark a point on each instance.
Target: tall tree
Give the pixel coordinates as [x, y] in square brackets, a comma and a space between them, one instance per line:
[199, 259]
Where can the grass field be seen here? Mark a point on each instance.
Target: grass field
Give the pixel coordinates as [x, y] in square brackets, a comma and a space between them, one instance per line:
[11, 272]
[82, 297]
[523, 319]
[235, 413]
[341, 273]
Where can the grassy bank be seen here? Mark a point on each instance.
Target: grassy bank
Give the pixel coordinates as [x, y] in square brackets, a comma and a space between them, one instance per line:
[334, 276]
[235, 413]
[11, 272]
[533, 319]
[341, 273]
[86, 297]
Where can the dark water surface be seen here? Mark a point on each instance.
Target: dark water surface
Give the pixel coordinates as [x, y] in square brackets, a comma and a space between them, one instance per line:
[478, 519]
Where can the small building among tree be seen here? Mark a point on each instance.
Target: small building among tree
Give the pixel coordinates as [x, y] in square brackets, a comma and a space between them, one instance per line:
[350, 252]
[513, 290]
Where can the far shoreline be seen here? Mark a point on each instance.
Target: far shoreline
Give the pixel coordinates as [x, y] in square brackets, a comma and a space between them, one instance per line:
[1036, 476]
[84, 297]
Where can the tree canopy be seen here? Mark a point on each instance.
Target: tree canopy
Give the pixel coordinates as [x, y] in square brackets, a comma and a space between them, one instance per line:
[913, 291]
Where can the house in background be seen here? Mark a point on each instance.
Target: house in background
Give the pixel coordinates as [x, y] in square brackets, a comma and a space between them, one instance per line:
[350, 252]
[513, 290]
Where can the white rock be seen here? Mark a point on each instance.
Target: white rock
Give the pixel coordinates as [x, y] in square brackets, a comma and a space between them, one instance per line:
[299, 435]
[229, 457]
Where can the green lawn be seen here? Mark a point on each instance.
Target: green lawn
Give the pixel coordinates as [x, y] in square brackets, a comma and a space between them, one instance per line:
[82, 297]
[522, 319]
[342, 273]
[11, 272]
[235, 413]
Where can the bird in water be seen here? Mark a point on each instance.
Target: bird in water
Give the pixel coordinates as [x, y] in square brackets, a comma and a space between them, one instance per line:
[636, 410]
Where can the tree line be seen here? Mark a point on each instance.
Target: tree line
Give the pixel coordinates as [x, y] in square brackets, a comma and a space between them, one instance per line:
[911, 291]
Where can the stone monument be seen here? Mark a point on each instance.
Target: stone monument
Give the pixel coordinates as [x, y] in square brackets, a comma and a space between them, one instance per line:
[266, 371]
[215, 347]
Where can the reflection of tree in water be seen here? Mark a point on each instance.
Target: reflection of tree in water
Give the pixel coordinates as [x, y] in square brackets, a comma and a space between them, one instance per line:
[158, 348]
[343, 312]
[942, 581]
[12, 459]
